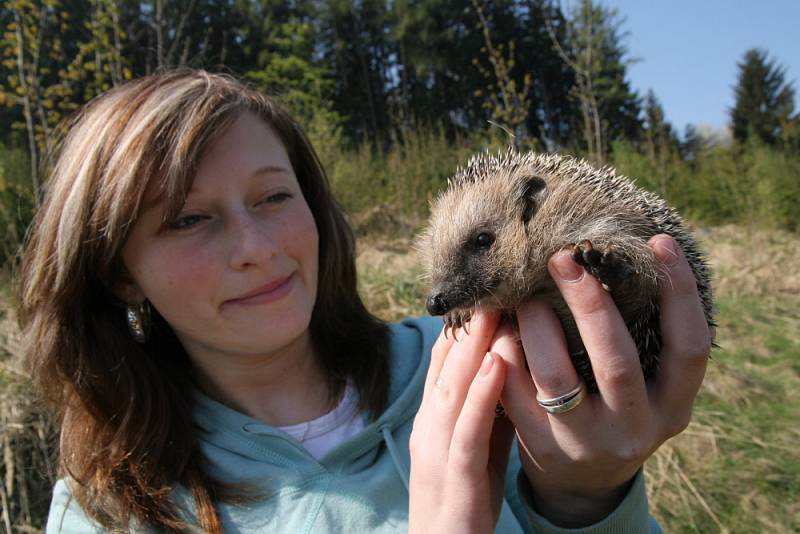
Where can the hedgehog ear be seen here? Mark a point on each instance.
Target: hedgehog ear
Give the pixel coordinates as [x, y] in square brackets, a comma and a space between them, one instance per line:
[531, 193]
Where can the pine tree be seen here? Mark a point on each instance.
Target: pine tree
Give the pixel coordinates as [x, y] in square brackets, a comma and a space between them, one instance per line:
[694, 144]
[355, 44]
[660, 143]
[289, 73]
[659, 135]
[764, 100]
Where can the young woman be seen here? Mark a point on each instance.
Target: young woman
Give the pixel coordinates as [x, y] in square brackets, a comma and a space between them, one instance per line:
[188, 297]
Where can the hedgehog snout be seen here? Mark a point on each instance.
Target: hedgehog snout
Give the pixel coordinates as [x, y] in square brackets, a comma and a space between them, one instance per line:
[436, 304]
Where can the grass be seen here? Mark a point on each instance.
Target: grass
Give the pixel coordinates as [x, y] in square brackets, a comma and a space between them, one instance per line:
[737, 467]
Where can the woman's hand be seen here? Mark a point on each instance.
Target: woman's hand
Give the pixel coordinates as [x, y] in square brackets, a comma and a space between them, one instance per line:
[579, 463]
[459, 453]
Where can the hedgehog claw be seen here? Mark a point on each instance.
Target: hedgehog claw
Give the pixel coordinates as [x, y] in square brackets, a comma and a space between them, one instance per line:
[604, 264]
[446, 325]
[586, 255]
[450, 324]
[457, 320]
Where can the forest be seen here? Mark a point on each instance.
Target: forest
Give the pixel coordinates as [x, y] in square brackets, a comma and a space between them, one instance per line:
[394, 96]
[383, 86]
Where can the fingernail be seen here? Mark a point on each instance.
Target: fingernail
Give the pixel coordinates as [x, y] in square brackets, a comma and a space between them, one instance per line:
[566, 268]
[486, 366]
[666, 251]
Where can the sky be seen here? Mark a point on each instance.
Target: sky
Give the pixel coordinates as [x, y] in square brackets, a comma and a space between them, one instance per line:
[687, 51]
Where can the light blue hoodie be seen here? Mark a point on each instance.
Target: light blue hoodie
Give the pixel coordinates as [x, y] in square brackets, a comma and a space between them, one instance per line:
[359, 486]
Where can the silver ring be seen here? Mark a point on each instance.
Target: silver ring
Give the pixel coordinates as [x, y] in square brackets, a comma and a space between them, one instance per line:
[563, 403]
[438, 382]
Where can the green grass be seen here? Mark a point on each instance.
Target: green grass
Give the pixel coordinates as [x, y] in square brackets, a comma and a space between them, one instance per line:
[391, 284]
[737, 467]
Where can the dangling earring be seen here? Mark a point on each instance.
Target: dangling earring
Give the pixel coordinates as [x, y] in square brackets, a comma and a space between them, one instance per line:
[138, 316]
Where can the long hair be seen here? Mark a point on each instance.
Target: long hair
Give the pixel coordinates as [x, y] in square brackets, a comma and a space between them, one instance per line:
[127, 437]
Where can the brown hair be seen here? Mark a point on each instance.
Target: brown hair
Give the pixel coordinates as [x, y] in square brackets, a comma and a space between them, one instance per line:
[127, 436]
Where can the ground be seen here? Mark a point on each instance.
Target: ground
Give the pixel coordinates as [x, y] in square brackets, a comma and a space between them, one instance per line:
[735, 469]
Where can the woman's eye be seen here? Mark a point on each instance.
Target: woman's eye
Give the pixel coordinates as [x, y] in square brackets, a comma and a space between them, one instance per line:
[276, 198]
[187, 221]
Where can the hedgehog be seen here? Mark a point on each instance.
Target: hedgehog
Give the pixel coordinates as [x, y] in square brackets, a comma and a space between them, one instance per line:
[502, 216]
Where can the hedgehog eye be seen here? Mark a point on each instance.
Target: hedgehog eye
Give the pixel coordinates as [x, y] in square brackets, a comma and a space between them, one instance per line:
[484, 240]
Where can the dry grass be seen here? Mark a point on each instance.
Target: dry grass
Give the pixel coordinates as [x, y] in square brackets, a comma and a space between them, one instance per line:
[735, 469]
[752, 262]
[27, 440]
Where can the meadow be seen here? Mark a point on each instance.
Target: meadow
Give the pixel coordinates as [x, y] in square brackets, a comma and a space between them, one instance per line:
[395, 95]
[735, 469]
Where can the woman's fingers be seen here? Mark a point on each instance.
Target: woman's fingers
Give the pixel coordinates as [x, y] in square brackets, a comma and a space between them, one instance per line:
[438, 355]
[518, 394]
[546, 350]
[463, 360]
[595, 449]
[469, 447]
[614, 357]
[446, 387]
[686, 339]
[459, 452]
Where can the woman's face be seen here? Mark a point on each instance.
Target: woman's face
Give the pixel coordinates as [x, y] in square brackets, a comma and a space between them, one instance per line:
[236, 271]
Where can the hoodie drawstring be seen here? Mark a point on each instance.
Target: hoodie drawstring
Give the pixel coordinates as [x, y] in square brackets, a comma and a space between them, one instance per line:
[402, 469]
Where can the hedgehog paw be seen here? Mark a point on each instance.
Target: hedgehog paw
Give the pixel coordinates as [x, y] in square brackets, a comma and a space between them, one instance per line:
[604, 264]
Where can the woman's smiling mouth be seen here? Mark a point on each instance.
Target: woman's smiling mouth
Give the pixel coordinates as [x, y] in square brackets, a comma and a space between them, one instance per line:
[270, 292]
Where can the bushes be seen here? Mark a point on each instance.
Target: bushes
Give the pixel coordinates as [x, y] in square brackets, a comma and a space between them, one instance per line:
[775, 179]
[750, 184]
[403, 180]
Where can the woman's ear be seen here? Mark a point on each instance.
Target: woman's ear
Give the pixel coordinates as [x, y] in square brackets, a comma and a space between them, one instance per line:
[126, 289]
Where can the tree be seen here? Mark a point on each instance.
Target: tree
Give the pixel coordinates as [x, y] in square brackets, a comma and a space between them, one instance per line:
[507, 101]
[553, 114]
[764, 100]
[694, 144]
[659, 137]
[592, 47]
[32, 51]
[290, 74]
[355, 43]
[99, 63]
[660, 143]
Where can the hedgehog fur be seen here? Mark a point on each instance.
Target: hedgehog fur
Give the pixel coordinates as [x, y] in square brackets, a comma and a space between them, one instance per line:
[492, 231]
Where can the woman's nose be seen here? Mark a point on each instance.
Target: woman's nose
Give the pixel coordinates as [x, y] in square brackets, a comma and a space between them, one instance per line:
[251, 242]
